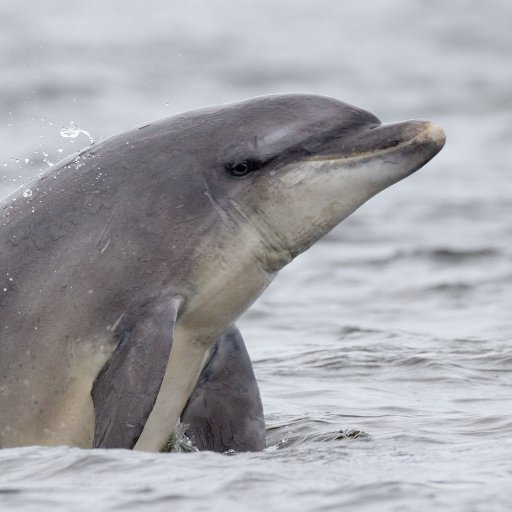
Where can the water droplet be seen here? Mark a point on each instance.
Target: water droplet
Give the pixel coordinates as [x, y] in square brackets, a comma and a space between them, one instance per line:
[72, 131]
[27, 192]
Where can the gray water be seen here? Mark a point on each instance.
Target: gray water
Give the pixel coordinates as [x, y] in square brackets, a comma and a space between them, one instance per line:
[384, 354]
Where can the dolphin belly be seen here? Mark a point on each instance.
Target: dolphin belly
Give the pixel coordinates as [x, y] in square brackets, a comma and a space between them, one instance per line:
[49, 403]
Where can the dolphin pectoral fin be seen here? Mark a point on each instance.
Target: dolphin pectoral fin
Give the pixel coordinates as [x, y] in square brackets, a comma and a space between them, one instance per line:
[224, 411]
[126, 388]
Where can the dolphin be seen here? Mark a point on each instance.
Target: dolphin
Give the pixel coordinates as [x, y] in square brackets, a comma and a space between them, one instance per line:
[124, 268]
[225, 412]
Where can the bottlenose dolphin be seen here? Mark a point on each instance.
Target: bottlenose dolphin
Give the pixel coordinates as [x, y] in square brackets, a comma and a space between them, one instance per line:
[123, 266]
[225, 412]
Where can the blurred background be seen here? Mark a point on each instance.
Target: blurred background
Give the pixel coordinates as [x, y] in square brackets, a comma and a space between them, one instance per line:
[106, 66]
[398, 324]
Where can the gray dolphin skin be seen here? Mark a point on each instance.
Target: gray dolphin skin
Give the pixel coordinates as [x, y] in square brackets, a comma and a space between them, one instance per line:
[225, 412]
[124, 267]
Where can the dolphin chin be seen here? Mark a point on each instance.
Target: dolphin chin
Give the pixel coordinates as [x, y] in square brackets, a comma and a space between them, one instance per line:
[124, 271]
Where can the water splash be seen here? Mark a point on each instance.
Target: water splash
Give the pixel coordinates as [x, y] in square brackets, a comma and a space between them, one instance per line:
[72, 131]
[179, 441]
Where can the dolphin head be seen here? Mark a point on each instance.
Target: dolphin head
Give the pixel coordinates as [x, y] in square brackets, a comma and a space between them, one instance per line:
[291, 167]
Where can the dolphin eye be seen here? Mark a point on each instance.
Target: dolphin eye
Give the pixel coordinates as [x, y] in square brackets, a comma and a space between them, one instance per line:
[243, 167]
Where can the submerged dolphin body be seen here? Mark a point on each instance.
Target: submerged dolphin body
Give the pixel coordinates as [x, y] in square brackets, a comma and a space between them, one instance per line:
[159, 238]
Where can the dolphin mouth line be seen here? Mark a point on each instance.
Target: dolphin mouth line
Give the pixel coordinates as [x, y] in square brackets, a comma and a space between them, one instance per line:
[432, 133]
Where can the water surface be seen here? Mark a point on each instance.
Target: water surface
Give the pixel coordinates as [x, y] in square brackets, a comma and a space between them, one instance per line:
[384, 354]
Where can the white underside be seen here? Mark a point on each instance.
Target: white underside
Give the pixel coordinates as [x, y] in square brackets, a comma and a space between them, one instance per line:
[185, 364]
[227, 281]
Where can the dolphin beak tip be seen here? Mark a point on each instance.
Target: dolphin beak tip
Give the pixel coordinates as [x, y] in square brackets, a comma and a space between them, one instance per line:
[434, 135]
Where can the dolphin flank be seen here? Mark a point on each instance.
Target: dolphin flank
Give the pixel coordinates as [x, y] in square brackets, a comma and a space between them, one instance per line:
[124, 270]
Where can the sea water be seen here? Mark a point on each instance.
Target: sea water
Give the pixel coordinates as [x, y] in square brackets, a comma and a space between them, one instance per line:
[384, 353]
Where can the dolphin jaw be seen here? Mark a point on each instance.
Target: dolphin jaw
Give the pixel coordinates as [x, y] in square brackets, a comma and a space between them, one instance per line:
[329, 187]
[273, 252]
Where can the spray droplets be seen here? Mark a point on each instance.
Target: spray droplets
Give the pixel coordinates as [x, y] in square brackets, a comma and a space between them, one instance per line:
[72, 131]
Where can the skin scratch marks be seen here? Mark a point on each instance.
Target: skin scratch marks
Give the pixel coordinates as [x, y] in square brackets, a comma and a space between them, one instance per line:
[103, 240]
